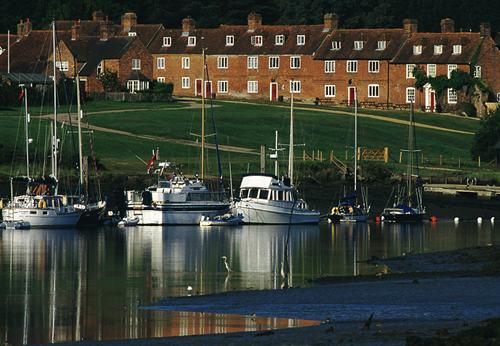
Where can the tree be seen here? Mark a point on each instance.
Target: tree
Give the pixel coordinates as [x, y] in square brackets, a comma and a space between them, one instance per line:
[486, 137]
[109, 81]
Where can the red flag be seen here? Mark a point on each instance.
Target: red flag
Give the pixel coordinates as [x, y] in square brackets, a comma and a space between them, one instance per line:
[21, 95]
[150, 162]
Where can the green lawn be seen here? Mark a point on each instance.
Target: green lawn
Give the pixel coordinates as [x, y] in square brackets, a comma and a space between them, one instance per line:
[250, 126]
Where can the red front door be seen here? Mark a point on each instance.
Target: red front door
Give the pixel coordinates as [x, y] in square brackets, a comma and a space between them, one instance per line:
[352, 95]
[433, 101]
[274, 92]
[197, 91]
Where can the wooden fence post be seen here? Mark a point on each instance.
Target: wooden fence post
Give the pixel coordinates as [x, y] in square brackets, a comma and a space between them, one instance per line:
[386, 154]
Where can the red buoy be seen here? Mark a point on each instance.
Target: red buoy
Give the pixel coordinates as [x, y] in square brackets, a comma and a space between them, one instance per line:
[377, 219]
[434, 219]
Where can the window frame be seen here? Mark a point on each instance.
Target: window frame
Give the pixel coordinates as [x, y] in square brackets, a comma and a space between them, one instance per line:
[167, 41]
[223, 62]
[160, 79]
[336, 45]
[451, 68]
[185, 64]
[229, 40]
[358, 45]
[457, 49]
[438, 49]
[160, 63]
[417, 49]
[295, 58]
[413, 95]
[252, 62]
[185, 85]
[301, 40]
[330, 87]
[220, 89]
[434, 74]
[376, 63]
[329, 66]
[477, 73]
[451, 96]
[371, 89]
[409, 71]
[252, 87]
[191, 41]
[293, 86]
[349, 64]
[381, 45]
[275, 58]
[136, 64]
[256, 40]
[279, 40]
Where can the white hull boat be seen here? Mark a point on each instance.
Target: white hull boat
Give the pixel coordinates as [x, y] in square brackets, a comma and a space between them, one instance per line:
[221, 220]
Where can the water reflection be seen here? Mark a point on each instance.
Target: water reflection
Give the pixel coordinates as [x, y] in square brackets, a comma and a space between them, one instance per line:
[61, 285]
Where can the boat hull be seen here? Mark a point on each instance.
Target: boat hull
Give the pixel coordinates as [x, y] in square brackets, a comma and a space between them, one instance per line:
[403, 218]
[176, 213]
[256, 213]
[41, 218]
[335, 218]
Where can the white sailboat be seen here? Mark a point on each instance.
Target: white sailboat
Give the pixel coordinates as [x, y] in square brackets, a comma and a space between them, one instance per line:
[348, 208]
[178, 200]
[266, 199]
[39, 207]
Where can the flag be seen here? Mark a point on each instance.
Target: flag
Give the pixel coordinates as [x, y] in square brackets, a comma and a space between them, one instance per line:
[150, 162]
[21, 95]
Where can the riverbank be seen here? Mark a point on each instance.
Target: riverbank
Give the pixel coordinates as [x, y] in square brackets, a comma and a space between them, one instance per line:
[411, 300]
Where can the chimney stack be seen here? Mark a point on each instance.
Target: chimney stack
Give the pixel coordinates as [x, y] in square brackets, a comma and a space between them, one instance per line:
[254, 21]
[105, 29]
[23, 28]
[331, 22]
[98, 16]
[447, 25]
[75, 30]
[187, 26]
[410, 26]
[129, 19]
[485, 29]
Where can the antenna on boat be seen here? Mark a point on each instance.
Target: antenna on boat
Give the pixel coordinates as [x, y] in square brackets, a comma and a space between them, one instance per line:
[54, 129]
[203, 91]
[290, 151]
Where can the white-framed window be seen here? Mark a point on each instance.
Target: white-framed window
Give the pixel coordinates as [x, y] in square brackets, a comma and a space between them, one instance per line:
[252, 62]
[160, 79]
[185, 63]
[136, 64]
[352, 66]
[132, 34]
[191, 41]
[477, 71]
[301, 40]
[381, 45]
[229, 40]
[336, 45]
[274, 62]
[409, 71]
[295, 62]
[160, 63]
[295, 86]
[167, 41]
[358, 45]
[457, 49]
[222, 86]
[279, 40]
[452, 96]
[431, 70]
[62, 66]
[438, 49]
[373, 66]
[252, 87]
[99, 68]
[417, 49]
[410, 95]
[185, 82]
[222, 62]
[330, 90]
[451, 68]
[329, 66]
[256, 40]
[134, 85]
[373, 90]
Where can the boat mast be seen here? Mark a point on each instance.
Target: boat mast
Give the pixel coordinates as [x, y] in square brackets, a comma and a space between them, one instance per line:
[409, 172]
[290, 151]
[8, 51]
[26, 133]
[355, 140]
[54, 134]
[79, 116]
[203, 91]
[276, 153]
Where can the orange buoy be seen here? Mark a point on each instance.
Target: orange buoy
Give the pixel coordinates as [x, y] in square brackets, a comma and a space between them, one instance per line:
[434, 219]
[377, 219]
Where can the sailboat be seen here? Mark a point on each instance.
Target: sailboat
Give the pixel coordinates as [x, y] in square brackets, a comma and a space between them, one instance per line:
[348, 208]
[178, 200]
[41, 205]
[407, 204]
[266, 199]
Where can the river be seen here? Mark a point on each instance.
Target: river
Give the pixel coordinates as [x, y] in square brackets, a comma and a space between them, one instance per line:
[89, 284]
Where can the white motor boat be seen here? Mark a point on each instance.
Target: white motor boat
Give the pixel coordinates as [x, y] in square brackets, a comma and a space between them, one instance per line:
[221, 220]
[265, 199]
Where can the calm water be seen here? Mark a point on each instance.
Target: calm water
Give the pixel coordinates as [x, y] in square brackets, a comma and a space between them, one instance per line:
[63, 285]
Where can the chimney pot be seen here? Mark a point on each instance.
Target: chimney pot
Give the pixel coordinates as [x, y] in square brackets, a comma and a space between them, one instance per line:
[129, 19]
[485, 29]
[447, 25]
[254, 21]
[331, 22]
[410, 26]
[188, 25]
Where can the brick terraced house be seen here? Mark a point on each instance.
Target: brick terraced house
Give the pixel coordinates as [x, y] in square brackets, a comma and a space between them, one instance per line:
[322, 63]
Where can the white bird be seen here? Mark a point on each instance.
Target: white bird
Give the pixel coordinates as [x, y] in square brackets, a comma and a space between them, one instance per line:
[456, 219]
[492, 219]
[479, 219]
[190, 290]
[229, 270]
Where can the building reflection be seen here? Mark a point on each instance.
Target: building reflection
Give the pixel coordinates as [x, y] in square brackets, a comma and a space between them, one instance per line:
[65, 285]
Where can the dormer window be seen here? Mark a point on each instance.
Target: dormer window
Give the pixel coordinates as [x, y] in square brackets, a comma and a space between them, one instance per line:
[358, 45]
[438, 49]
[381, 45]
[417, 50]
[457, 49]
[256, 40]
[167, 41]
[229, 40]
[279, 40]
[336, 45]
[191, 41]
[301, 40]
[132, 33]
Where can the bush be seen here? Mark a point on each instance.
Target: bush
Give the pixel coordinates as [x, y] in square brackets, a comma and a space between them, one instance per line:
[373, 171]
[487, 137]
[466, 108]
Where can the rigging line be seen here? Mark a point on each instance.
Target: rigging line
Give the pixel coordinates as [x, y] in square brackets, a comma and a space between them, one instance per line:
[40, 120]
[13, 159]
[94, 161]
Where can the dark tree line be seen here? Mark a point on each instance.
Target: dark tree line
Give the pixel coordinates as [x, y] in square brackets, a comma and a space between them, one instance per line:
[210, 13]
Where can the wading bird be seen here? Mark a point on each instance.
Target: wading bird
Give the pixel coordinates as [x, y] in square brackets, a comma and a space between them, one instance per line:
[229, 270]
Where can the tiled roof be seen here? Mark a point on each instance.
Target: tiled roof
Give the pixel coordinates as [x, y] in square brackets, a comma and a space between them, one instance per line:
[468, 40]
[215, 40]
[370, 38]
[112, 48]
[4, 40]
[81, 48]
[147, 32]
